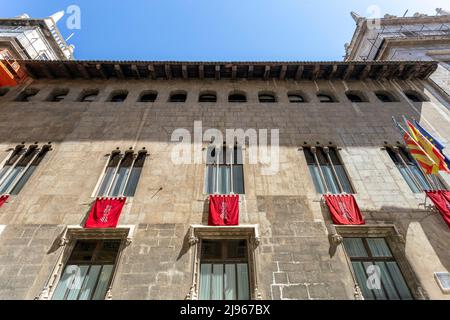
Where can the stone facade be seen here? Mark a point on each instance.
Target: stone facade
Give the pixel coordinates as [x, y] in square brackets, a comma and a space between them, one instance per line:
[295, 258]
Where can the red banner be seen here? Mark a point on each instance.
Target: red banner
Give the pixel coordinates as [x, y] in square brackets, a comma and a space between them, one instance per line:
[105, 213]
[223, 210]
[344, 209]
[441, 200]
[3, 199]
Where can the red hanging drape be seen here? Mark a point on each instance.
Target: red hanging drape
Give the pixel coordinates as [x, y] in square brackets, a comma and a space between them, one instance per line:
[344, 209]
[441, 200]
[3, 199]
[223, 210]
[105, 213]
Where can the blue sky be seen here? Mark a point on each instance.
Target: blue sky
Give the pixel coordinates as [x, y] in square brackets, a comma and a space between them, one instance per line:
[214, 30]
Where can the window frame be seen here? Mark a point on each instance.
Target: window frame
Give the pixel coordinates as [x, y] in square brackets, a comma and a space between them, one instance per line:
[111, 184]
[148, 93]
[116, 93]
[232, 97]
[26, 94]
[209, 95]
[58, 95]
[267, 97]
[241, 232]
[178, 93]
[326, 151]
[67, 241]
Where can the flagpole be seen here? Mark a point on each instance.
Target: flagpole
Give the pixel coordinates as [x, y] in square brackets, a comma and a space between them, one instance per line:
[405, 164]
[430, 181]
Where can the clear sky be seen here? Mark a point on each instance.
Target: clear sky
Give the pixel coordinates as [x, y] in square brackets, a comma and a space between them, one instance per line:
[214, 30]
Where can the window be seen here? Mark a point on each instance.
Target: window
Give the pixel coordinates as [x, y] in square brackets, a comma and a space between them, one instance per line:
[355, 96]
[207, 97]
[88, 95]
[371, 257]
[385, 96]
[88, 273]
[178, 97]
[296, 98]
[118, 96]
[325, 98]
[122, 174]
[327, 171]
[58, 95]
[238, 97]
[224, 171]
[414, 96]
[27, 94]
[148, 96]
[411, 172]
[3, 91]
[224, 270]
[443, 279]
[19, 167]
[267, 98]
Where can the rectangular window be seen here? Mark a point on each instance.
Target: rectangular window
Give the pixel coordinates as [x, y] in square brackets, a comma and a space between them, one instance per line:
[88, 272]
[327, 171]
[122, 174]
[224, 171]
[224, 273]
[376, 269]
[19, 167]
[411, 172]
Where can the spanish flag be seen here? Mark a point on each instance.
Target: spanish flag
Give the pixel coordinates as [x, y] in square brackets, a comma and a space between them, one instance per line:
[428, 147]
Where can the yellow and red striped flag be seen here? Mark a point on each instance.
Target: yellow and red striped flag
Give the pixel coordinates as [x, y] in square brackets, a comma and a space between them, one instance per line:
[428, 147]
[422, 158]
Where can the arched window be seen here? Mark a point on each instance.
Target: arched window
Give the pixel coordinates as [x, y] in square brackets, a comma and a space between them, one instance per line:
[27, 94]
[178, 97]
[207, 97]
[415, 96]
[354, 96]
[118, 96]
[237, 97]
[148, 96]
[385, 96]
[58, 95]
[296, 97]
[325, 98]
[267, 97]
[88, 95]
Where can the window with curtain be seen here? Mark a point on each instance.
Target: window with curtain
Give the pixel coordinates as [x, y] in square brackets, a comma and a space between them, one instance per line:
[224, 171]
[369, 254]
[122, 174]
[224, 271]
[327, 170]
[19, 167]
[88, 272]
[411, 172]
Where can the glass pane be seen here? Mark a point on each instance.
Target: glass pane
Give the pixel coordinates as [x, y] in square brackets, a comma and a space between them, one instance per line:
[4, 170]
[236, 249]
[399, 281]
[77, 283]
[119, 181]
[230, 282]
[330, 179]
[210, 179]
[378, 293]
[106, 181]
[89, 283]
[343, 178]
[378, 247]
[211, 249]
[19, 185]
[388, 284]
[211, 155]
[355, 247]
[64, 282]
[238, 156]
[406, 175]
[217, 282]
[132, 182]
[103, 282]
[238, 179]
[224, 179]
[361, 278]
[10, 178]
[205, 281]
[420, 177]
[315, 174]
[243, 284]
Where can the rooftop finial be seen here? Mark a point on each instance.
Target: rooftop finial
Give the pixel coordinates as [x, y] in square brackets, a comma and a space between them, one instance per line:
[355, 16]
